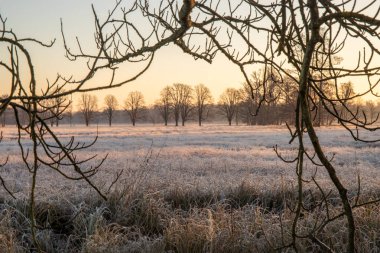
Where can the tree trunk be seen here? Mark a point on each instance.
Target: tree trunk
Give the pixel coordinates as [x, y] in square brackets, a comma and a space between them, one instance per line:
[3, 119]
[200, 117]
[303, 98]
[176, 120]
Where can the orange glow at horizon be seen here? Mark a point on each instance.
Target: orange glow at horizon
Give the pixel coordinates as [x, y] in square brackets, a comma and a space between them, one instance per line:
[170, 65]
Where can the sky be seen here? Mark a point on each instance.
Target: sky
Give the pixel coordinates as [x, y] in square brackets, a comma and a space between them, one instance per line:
[40, 19]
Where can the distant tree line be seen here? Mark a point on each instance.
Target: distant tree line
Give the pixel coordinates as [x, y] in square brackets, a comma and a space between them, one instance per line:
[180, 103]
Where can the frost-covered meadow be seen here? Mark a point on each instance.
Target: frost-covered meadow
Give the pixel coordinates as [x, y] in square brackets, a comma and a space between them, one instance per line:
[167, 171]
[211, 156]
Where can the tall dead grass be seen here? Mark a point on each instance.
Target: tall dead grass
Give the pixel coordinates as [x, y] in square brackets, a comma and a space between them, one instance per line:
[186, 220]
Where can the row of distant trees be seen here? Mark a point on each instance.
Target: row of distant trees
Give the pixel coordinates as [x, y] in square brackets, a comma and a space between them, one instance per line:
[181, 103]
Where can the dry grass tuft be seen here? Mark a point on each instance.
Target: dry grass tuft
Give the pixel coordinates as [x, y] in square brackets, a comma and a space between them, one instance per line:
[189, 235]
[244, 220]
[8, 235]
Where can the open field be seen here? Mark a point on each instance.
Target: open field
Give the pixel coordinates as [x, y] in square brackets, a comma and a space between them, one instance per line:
[184, 189]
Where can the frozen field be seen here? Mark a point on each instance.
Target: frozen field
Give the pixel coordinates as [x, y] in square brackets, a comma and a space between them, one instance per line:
[210, 157]
[188, 189]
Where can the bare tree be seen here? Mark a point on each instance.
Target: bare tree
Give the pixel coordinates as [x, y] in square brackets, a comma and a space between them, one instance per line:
[275, 35]
[69, 112]
[133, 104]
[47, 111]
[52, 108]
[164, 104]
[287, 100]
[266, 91]
[43, 148]
[3, 115]
[59, 102]
[345, 95]
[229, 101]
[203, 98]
[251, 98]
[186, 104]
[176, 103]
[153, 113]
[111, 105]
[3, 119]
[88, 104]
[181, 96]
[371, 110]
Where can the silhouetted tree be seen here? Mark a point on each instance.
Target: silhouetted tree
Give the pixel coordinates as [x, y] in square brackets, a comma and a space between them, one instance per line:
[229, 101]
[134, 104]
[3, 119]
[164, 103]
[54, 107]
[203, 98]
[370, 107]
[3, 114]
[287, 100]
[181, 96]
[69, 113]
[345, 95]
[264, 92]
[111, 105]
[153, 114]
[251, 98]
[59, 102]
[88, 104]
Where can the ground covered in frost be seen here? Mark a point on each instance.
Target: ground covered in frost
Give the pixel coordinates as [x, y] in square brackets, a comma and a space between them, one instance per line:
[211, 156]
[214, 188]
